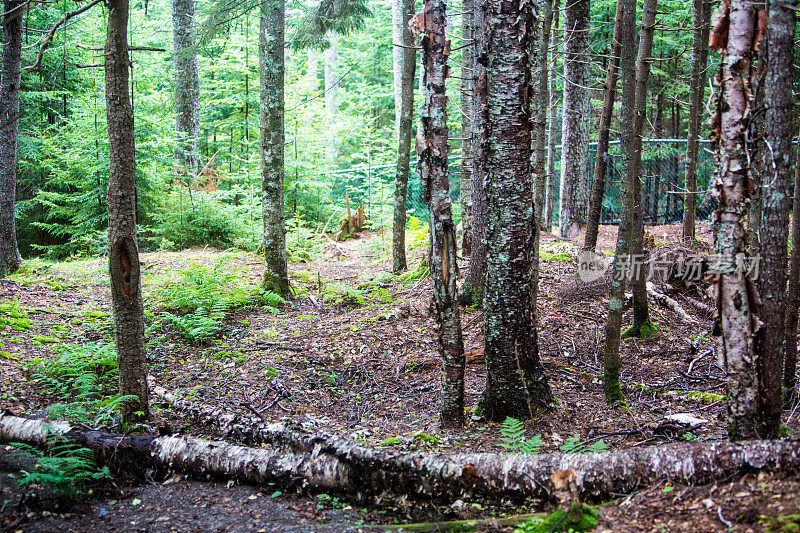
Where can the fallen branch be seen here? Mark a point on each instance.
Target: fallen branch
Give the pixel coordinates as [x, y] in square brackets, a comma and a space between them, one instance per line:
[332, 464]
[669, 303]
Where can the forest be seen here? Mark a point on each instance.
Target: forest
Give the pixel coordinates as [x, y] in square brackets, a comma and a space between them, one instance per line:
[399, 265]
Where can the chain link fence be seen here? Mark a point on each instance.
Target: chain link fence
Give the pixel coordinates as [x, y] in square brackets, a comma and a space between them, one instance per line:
[663, 174]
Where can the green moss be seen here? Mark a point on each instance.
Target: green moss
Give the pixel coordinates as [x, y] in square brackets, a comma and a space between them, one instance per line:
[471, 296]
[341, 294]
[581, 517]
[95, 314]
[391, 441]
[422, 271]
[8, 355]
[555, 258]
[44, 339]
[424, 437]
[705, 397]
[13, 316]
[641, 331]
[56, 286]
[305, 276]
[381, 295]
[781, 524]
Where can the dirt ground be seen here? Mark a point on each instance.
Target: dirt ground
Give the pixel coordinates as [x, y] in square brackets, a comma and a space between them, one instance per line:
[370, 372]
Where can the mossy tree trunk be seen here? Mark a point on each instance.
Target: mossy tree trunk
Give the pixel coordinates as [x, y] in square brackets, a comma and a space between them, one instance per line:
[436, 191]
[187, 87]
[407, 57]
[123, 252]
[271, 73]
[10, 80]
[776, 198]
[515, 384]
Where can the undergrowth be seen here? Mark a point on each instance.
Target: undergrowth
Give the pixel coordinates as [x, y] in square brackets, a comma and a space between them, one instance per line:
[513, 439]
[13, 316]
[85, 377]
[65, 467]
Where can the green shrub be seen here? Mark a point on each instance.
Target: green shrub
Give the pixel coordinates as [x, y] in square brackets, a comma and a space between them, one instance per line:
[513, 439]
[197, 219]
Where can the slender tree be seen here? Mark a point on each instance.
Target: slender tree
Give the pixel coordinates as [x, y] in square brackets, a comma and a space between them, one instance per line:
[271, 72]
[702, 14]
[553, 127]
[793, 299]
[575, 136]
[734, 24]
[467, 88]
[436, 190]
[774, 231]
[123, 251]
[187, 86]
[515, 382]
[332, 95]
[540, 101]
[616, 301]
[601, 159]
[10, 79]
[406, 55]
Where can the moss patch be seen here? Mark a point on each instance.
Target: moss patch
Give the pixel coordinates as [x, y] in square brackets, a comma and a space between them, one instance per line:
[642, 331]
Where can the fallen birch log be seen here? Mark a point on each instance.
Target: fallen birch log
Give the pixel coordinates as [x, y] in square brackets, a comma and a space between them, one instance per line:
[669, 303]
[333, 464]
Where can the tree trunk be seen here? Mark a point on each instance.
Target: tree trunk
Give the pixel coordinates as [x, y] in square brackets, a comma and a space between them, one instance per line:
[468, 8]
[575, 136]
[323, 463]
[736, 296]
[793, 299]
[408, 59]
[774, 231]
[553, 127]
[515, 383]
[616, 301]
[658, 122]
[642, 326]
[10, 80]
[436, 191]
[187, 87]
[400, 16]
[474, 284]
[760, 152]
[123, 251]
[332, 97]
[702, 11]
[601, 160]
[271, 72]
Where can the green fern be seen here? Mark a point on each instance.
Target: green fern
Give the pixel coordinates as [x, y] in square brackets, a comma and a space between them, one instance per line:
[513, 439]
[64, 466]
[575, 445]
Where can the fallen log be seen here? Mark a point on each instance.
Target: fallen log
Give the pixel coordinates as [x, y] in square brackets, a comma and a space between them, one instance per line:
[333, 464]
[669, 303]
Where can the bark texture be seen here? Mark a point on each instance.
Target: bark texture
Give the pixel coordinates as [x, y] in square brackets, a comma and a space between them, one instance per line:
[793, 299]
[187, 86]
[575, 135]
[10, 79]
[601, 159]
[776, 202]
[702, 14]
[515, 383]
[467, 88]
[436, 191]
[408, 62]
[616, 300]
[331, 464]
[123, 251]
[553, 127]
[540, 99]
[271, 73]
[736, 296]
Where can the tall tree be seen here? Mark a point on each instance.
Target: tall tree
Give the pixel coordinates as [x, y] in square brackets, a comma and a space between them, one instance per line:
[187, 86]
[332, 95]
[702, 13]
[123, 251]
[616, 301]
[604, 129]
[733, 27]
[407, 57]
[271, 73]
[467, 88]
[515, 382]
[793, 299]
[553, 127]
[10, 79]
[436, 191]
[776, 198]
[575, 136]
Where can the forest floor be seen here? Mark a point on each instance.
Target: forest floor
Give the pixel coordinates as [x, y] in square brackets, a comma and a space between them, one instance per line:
[353, 354]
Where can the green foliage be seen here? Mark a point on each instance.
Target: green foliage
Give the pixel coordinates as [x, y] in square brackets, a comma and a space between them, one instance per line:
[581, 517]
[424, 437]
[513, 439]
[575, 445]
[65, 467]
[417, 235]
[201, 297]
[13, 316]
[342, 294]
[196, 218]
[85, 377]
[642, 331]
[789, 523]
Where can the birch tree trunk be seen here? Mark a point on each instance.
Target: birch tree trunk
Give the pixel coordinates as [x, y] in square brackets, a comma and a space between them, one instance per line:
[601, 159]
[271, 73]
[332, 96]
[436, 191]
[575, 136]
[515, 383]
[10, 80]
[702, 11]
[793, 299]
[468, 8]
[399, 33]
[187, 87]
[408, 59]
[123, 251]
[736, 296]
[616, 300]
[776, 198]
[553, 128]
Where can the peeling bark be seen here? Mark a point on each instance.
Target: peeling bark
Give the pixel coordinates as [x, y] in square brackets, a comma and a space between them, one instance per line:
[123, 252]
[10, 80]
[515, 383]
[468, 8]
[436, 189]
